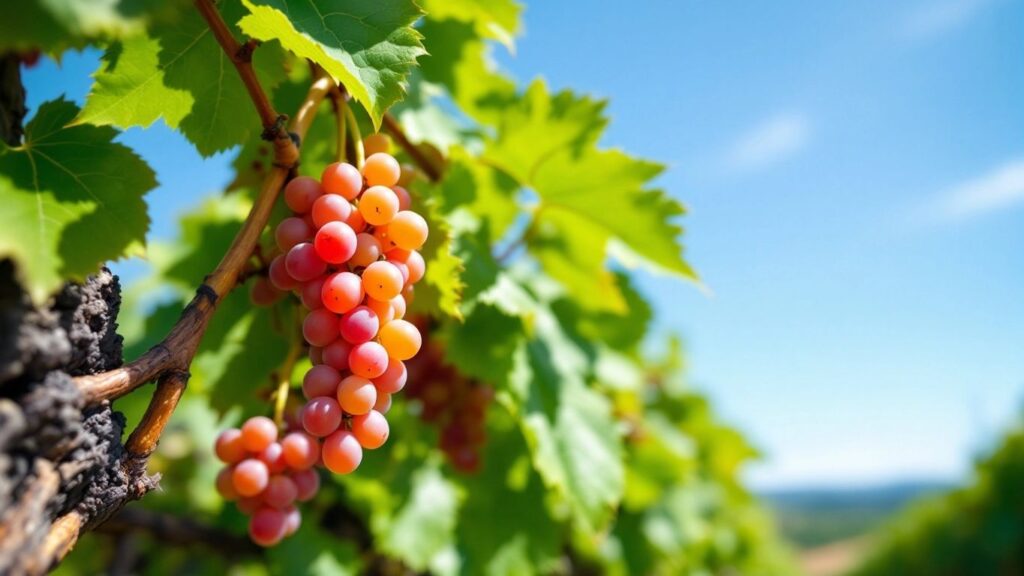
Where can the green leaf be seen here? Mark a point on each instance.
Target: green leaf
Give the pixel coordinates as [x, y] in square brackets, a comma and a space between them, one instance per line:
[424, 525]
[575, 444]
[179, 72]
[460, 60]
[71, 199]
[369, 47]
[495, 19]
[57, 24]
[312, 552]
[441, 287]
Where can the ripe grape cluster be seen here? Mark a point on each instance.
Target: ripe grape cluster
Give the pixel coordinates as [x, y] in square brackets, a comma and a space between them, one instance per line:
[455, 404]
[349, 251]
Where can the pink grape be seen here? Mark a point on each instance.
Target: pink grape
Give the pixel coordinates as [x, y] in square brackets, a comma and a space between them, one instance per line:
[393, 379]
[311, 293]
[225, 486]
[292, 520]
[303, 263]
[368, 250]
[398, 305]
[263, 293]
[342, 452]
[321, 416]
[416, 266]
[301, 192]
[267, 526]
[320, 380]
[383, 402]
[316, 355]
[249, 504]
[258, 432]
[368, 360]
[273, 457]
[359, 325]
[307, 482]
[356, 395]
[290, 232]
[336, 354]
[402, 269]
[301, 451]
[280, 492]
[229, 446]
[250, 477]
[356, 222]
[371, 429]
[343, 179]
[330, 208]
[335, 242]
[404, 199]
[342, 292]
[320, 327]
[279, 276]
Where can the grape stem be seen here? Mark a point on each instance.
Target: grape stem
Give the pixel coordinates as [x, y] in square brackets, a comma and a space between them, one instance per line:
[283, 374]
[357, 137]
[392, 127]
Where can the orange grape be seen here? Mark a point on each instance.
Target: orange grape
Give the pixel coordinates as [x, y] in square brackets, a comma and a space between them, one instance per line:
[356, 395]
[378, 205]
[229, 447]
[401, 339]
[342, 452]
[370, 429]
[343, 179]
[408, 230]
[375, 143]
[250, 477]
[381, 169]
[258, 432]
[382, 280]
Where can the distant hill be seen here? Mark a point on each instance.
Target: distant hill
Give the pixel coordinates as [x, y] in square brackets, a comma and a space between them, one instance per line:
[810, 517]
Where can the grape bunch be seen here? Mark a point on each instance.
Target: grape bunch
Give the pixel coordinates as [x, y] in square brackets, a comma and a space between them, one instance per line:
[457, 405]
[349, 252]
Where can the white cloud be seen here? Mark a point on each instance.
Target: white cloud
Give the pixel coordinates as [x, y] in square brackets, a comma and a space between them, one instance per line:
[998, 189]
[771, 141]
[934, 18]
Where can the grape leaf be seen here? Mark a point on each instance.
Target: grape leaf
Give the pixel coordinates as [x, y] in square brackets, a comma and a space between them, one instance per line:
[424, 525]
[460, 60]
[179, 72]
[441, 286]
[495, 19]
[72, 199]
[369, 47]
[57, 24]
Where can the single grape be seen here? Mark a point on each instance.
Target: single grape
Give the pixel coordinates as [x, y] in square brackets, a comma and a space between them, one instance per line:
[359, 325]
[382, 280]
[343, 179]
[370, 429]
[250, 477]
[342, 292]
[393, 379]
[382, 308]
[368, 250]
[356, 222]
[404, 199]
[342, 452]
[402, 269]
[301, 451]
[320, 327]
[279, 276]
[336, 354]
[368, 360]
[378, 205]
[280, 493]
[225, 486]
[396, 254]
[229, 446]
[330, 208]
[311, 293]
[381, 169]
[416, 266]
[383, 402]
[273, 457]
[398, 305]
[307, 482]
[292, 231]
[292, 520]
[321, 416]
[258, 432]
[376, 143]
[320, 380]
[356, 395]
[335, 242]
[263, 293]
[303, 263]
[301, 192]
[401, 339]
[267, 526]
[408, 230]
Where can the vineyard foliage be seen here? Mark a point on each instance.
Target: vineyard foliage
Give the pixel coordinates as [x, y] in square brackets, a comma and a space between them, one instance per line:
[594, 456]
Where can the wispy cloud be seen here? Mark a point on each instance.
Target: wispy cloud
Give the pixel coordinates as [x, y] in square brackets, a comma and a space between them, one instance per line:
[1000, 188]
[770, 141]
[937, 17]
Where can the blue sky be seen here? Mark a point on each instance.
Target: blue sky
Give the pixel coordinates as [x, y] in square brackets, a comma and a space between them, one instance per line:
[855, 175]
